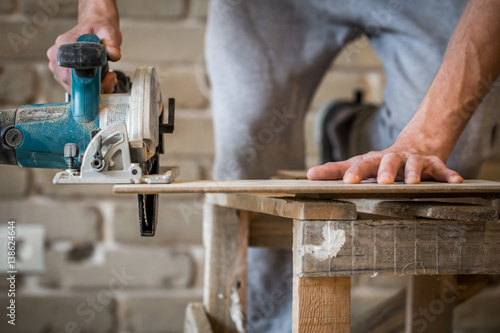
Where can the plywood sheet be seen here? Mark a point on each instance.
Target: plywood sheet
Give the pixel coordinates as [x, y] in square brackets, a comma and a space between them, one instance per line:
[333, 188]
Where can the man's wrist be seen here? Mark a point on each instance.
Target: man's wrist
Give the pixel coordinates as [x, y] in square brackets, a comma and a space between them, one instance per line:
[97, 9]
[428, 135]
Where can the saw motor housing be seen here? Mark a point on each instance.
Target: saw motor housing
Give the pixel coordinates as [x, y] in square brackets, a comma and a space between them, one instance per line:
[118, 135]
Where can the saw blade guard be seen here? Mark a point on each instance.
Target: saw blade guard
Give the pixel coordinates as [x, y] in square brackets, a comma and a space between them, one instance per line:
[146, 106]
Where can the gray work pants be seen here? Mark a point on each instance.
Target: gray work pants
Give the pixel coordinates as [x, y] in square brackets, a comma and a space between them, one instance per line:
[265, 60]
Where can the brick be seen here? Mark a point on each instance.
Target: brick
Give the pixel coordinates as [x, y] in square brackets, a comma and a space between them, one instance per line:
[158, 311]
[312, 160]
[341, 84]
[52, 8]
[59, 311]
[6, 6]
[193, 135]
[155, 42]
[152, 9]
[480, 313]
[21, 42]
[50, 90]
[17, 85]
[309, 134]
[337, 85]
[198, 255]
[190, 168]
[62, 220]
[373, 86]
[145, 267]
[358, 54]
[13, 181]
[183, 85]
[199, 9]
[43, 185]
[179, 221]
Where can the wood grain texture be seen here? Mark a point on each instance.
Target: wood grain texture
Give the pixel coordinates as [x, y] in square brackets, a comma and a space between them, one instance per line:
[320, 304]
[396, 247]
[270, 231]
[196, 320]
[286, 206]
[334, 188]
[225, 233]
[433, 210]
[291, 174]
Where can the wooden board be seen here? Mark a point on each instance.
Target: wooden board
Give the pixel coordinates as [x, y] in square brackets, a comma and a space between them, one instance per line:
[270, 231]
[433, 210]
[196, 320]
[333, 188]
[291, 174]
[291, 207]
[396, 247]
[321, 305]
[225, 235]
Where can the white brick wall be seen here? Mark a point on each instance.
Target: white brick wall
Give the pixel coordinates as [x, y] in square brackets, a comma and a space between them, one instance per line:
[91, 234]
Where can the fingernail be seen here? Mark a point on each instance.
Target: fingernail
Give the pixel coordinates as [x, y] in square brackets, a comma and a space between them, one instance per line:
[350, 178]
[386, 175]
[385, 178]
[412, 178]
[456, 179]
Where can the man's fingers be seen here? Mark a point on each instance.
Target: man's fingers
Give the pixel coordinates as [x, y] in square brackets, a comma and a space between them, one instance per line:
[389, 167]
[112, 40]
[364, 168]
[113, 52]
[108, 83]
[330, 170]
[52, 53]
[413, 169]
[437, 170]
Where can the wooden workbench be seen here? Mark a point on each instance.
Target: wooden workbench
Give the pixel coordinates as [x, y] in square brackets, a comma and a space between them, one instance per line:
[335, 235]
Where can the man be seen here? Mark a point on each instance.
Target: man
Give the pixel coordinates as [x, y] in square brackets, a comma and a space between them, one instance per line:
[265, 59]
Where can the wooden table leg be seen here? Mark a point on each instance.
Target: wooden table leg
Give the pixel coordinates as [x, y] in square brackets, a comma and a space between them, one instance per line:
[429, 306]
[321, 304]
[225, 233]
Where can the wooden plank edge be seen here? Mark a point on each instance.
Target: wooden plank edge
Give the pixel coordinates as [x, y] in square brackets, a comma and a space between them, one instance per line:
[196, 320]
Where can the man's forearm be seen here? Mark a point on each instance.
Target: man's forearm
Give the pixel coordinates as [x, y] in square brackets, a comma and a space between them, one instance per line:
[469, 68]
[102, 8]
